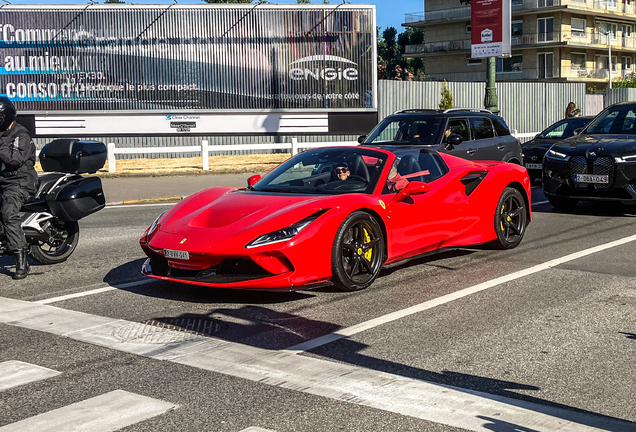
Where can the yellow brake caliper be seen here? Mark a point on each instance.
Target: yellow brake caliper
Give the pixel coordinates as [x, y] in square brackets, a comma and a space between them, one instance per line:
[501, 219]
[367, 239]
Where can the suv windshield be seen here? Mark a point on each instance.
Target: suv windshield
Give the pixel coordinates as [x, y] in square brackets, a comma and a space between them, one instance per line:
[618, 119]
[326, 171]
[407, 130]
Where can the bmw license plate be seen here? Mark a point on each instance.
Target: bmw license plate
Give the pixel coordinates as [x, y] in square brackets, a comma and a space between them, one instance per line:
[533, 166]
[176, 254]
[591, 178]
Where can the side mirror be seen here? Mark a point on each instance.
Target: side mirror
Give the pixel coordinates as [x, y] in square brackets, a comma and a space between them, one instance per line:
[413, 188]
[361, 138]
[453, 140]
[577, 131]
[538, 135]
[252, 180]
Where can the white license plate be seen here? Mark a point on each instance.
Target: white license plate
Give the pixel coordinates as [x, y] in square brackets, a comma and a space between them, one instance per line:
[591, 178]
[176, 254]
[534, 166]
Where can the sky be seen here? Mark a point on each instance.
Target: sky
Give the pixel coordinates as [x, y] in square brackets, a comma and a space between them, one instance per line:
[389, 13]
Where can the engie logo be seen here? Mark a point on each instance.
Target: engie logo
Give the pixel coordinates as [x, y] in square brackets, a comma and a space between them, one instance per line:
[348, 70]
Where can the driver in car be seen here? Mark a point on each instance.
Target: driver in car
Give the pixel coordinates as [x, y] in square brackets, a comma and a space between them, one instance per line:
[341, 171]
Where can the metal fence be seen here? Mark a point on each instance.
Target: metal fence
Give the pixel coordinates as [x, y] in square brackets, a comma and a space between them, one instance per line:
[527, 107]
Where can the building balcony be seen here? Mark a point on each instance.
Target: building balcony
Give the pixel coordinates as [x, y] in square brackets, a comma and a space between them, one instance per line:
[587, 39]
[463, 12]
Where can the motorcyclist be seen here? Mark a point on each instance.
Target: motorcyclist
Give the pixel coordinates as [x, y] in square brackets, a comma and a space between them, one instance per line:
[18, 182]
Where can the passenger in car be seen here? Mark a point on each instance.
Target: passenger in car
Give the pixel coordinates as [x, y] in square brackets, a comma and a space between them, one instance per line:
[395, 182]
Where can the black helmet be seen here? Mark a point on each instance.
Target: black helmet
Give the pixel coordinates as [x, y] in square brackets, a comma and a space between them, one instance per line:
[7, 113]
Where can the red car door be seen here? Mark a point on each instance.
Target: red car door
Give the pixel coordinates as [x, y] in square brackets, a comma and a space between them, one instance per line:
[424, 222]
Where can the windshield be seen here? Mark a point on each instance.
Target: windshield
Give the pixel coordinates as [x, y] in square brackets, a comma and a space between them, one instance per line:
[619, 119]
[407, 130]
[565, 128]
[326, 171]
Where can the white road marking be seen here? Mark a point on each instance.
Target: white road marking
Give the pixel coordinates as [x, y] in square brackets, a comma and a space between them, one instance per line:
[437, 403]
[108, 412]
[14, 373]
[95, 291]
[349, 331]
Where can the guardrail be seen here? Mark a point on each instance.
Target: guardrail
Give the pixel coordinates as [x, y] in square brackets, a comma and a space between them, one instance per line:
[205, 149]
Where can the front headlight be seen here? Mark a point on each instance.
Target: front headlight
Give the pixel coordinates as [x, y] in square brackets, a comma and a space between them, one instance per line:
[553, 154]
[156, 223]
[284, 234]
[625, 159]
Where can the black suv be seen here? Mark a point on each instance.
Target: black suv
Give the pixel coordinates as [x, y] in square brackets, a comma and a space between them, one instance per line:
[473, 134]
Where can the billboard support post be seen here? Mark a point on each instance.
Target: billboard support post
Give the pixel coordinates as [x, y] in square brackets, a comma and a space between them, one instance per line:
[491, 102]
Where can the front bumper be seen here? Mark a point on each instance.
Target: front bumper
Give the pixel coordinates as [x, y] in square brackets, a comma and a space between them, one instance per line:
[558, 180]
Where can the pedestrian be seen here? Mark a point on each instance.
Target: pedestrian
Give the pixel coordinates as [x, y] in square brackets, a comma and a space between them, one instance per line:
[572, 111]
[18, 182]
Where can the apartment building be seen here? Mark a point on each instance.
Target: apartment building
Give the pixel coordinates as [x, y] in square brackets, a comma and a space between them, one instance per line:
[552, 40]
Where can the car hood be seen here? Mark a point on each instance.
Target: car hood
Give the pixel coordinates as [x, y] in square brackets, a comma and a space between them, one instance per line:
[601, 144]
[236, 211]
[541, 143]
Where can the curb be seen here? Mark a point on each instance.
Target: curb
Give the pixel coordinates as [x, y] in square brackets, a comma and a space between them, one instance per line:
[166, 200]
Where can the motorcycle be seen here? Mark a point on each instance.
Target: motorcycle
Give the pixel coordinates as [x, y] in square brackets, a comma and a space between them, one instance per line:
[63, 197]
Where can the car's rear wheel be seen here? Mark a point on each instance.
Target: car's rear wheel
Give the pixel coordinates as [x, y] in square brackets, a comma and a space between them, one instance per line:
[511, 219]
[358, 251]
[562, 203]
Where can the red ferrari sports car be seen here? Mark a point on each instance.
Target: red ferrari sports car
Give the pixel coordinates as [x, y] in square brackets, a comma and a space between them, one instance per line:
[336, 216]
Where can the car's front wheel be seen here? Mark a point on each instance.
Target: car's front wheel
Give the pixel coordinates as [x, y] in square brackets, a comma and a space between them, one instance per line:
[358, 251]
[511, 219]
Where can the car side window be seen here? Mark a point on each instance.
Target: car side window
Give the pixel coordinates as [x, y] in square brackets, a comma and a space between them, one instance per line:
[500, 127]
[482, 127]
[557, 132]
[414, 166]
[459, 127]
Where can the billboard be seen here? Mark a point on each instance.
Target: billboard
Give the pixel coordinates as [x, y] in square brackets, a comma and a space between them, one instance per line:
[69, 63]
[490, 28]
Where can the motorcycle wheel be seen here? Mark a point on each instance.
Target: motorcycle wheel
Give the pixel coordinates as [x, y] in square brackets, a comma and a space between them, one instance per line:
[60, 244]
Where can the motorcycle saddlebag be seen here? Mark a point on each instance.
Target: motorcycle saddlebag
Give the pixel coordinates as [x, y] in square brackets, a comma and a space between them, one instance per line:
[73, 156]
[77, 198]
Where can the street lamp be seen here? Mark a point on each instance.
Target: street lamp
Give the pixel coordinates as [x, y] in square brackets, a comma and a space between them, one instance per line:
[609, 59]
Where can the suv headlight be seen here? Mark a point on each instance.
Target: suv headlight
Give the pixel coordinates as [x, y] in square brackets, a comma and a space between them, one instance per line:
[553, 154]
[625, 159]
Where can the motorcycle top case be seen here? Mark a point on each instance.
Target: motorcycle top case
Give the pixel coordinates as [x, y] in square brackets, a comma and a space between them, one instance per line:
[77, 198]
[73, 156]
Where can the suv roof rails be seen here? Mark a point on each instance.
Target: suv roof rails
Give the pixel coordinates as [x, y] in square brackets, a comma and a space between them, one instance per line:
[416, 110]
[481, 110]
[437, 111]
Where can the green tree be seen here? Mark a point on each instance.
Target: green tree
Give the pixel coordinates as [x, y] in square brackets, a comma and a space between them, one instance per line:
[388, 54]
[447, 97]
[303, 1]
[628, 81]
[392, 64]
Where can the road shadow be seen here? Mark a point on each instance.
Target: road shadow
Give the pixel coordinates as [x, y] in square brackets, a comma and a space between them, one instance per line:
[590, 208]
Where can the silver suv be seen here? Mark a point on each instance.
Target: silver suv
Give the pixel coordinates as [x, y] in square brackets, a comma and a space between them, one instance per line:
[473, 134]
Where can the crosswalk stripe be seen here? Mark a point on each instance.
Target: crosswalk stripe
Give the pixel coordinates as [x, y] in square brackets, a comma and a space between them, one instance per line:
[14, 373]
[108, 412]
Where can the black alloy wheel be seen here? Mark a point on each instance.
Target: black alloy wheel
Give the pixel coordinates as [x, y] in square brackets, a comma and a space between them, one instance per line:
[358, 251]
[511, 219]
